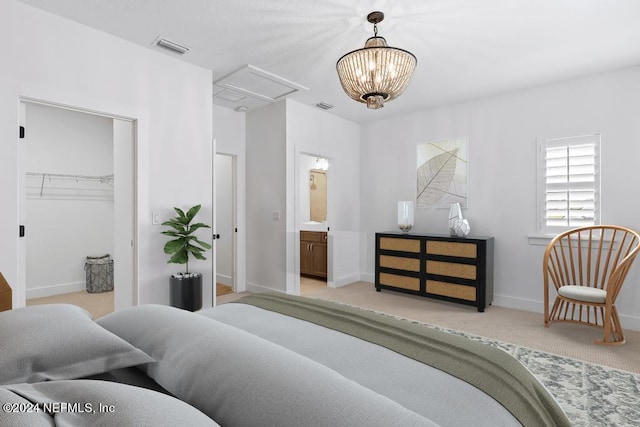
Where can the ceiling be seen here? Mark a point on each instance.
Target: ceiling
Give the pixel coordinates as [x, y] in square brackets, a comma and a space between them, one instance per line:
[466, 49]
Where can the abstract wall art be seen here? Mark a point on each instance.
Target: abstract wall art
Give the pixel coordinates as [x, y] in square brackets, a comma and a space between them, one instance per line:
[442, 168]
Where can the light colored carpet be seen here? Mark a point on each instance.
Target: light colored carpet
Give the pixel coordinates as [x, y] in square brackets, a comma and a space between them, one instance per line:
[98, 304]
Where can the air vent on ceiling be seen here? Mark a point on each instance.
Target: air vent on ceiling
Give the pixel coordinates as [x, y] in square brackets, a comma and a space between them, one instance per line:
[171, 45]
[230, 95]
[324, 106]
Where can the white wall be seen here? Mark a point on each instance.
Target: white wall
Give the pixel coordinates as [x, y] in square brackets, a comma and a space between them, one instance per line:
[266, 186]
[66, 220]
[56, 60]
[502, 133]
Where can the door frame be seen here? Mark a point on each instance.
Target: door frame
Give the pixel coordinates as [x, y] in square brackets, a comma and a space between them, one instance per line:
[128, 295]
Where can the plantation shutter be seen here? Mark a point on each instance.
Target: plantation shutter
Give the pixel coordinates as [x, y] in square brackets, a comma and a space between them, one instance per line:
[571, 182]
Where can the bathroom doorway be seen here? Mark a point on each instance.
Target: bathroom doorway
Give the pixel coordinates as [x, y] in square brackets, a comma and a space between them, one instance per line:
[313, 225]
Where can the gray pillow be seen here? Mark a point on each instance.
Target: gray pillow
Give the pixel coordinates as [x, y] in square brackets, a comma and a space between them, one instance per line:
[97, 403]
[239, 379]
[58, 342]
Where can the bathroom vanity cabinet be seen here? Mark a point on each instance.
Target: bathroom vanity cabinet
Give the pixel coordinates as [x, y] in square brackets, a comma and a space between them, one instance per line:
[313, 253]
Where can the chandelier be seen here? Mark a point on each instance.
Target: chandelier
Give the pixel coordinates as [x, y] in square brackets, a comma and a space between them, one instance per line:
[377, 72]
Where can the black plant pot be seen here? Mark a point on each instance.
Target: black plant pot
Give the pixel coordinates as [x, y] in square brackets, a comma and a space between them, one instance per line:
[186, 292]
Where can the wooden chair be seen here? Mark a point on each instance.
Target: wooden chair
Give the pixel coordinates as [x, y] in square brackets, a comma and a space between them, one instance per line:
[587, 266]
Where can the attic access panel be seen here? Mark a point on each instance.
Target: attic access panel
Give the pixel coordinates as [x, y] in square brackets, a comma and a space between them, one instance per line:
[256, 83]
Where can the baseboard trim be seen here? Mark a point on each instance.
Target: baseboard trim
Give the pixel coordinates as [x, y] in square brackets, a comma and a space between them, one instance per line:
[344, 280]
[255, 288]
[628, 322]
[366, 277]
[47, 291]
[518, 303]
[223, 279]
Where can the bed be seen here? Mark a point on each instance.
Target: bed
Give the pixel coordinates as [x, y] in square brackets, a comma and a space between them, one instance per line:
[264, 360]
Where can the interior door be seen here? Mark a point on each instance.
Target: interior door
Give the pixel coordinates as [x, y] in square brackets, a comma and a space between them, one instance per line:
[212, 289]
[125, 293]
[225, 195]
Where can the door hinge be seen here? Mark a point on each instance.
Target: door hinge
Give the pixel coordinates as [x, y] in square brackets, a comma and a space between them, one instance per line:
[21, 132]
[21, 231]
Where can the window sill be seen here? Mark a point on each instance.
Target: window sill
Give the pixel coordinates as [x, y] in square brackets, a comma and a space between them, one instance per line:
[540, 239]
[545, 239]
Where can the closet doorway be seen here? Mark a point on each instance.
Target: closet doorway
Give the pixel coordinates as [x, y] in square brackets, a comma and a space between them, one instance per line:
[226, 223]
[77, 173]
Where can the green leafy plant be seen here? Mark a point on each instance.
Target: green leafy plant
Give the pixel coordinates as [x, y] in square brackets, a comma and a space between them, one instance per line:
[185, 243]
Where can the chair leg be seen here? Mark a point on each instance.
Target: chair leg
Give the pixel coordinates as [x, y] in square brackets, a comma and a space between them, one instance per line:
[554, 310]
[617, 326]
[546, 301]
[613, 334]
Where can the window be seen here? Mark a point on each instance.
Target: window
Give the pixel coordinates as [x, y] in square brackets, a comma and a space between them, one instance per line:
[568, 183]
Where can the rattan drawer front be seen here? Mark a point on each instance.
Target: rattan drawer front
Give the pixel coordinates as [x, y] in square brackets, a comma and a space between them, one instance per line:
[404, 282]
[451, 290]
[457, 249]
[400, 263]
[452, 269]
[436, 266]
[403, 245]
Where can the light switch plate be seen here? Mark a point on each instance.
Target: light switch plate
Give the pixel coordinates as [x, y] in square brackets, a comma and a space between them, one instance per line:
[276, 215]
[155, 218]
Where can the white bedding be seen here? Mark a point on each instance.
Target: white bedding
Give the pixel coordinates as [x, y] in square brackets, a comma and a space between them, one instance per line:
[427, 391]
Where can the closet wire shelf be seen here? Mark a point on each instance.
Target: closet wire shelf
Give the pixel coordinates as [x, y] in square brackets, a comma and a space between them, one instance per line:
[73, 187]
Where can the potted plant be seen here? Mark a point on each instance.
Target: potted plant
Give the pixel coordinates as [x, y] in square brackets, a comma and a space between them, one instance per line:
[185, 287]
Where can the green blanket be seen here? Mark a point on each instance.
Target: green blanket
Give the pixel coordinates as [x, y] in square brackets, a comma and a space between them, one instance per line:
[489, 369]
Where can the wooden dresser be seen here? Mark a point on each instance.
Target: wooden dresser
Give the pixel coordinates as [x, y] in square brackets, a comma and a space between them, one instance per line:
[457, 269]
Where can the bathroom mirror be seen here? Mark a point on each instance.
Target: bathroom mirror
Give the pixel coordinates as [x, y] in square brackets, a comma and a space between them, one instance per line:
[313, 192]
[318, 195]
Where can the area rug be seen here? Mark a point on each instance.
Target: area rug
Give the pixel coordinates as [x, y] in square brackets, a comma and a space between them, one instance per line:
[590, 394]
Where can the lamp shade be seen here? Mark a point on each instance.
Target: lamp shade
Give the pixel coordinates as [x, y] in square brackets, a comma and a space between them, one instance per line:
[376, 73]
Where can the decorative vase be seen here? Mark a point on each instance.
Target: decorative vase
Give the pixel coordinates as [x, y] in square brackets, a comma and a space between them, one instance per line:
[405, 216]
[185, 291]
[462, 228]
[458, 226]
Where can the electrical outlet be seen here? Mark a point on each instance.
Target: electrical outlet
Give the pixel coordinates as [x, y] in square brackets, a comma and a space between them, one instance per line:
[276, 215]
